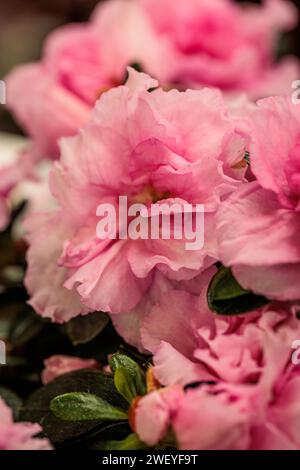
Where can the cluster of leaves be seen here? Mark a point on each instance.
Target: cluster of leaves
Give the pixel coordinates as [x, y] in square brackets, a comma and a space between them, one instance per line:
[103, 406]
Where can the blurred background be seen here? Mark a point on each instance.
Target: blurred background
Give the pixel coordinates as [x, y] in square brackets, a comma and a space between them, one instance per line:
[25, 24]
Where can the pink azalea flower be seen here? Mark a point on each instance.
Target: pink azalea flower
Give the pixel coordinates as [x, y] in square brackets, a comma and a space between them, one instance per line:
[79, 62]
[200, 421]
[132, 38]
[144, 146]
[59, 365]
[19, 436]
[259, 225]
[246, 362]
[219, 43]
[214, 43]
[59, 88]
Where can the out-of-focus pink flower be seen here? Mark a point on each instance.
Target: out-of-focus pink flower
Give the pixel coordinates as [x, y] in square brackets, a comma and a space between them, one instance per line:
[199, 43]
[144, 146]
[43, 96]
[132, 38]
[53, 98]
[259, 225]
[19, 436]
[219, 43]
[59, 365]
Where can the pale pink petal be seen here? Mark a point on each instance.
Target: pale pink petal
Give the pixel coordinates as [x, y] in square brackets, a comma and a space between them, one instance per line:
[279, 282]
[251, 223]
[46, 111]
[59, 365]
[170, 367]
[171, 315]
[278, 118]
[154, 414]
[93, 281]
[44, 278]
[209, 422]
[19, 436]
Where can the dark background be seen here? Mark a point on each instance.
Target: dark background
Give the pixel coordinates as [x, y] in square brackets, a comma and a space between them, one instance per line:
[25, 23]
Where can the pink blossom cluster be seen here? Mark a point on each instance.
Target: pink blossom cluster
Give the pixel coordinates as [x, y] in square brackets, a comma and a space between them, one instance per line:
[197, 43]
[19, 436]
[227, 382]
[245, 394]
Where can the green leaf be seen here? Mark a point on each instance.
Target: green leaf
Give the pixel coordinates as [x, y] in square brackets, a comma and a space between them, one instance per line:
[225, 296]
[65, 433]
[27, 326]
[129, 378]
[82, 330]
[79, 406]
[124, 384]
[131, 442]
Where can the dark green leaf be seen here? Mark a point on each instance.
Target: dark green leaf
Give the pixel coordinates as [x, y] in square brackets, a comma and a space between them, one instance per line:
[226, 297]
[37, 408]
[81, 330]
[25, 327]
[80, 406]
[113, 431]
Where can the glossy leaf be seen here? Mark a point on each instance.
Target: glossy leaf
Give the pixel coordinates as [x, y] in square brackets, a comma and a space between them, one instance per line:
[37, 408]
[129, 378]
[80, 406]
[81, 330]
[225, 296]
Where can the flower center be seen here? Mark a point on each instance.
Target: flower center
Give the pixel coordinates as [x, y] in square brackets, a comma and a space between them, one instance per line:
[149, 194]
